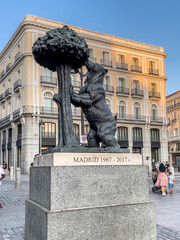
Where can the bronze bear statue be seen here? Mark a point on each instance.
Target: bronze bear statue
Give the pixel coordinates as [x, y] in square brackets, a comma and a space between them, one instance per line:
[92, 100]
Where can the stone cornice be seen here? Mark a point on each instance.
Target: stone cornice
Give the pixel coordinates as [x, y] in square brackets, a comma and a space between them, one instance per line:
[39, 23]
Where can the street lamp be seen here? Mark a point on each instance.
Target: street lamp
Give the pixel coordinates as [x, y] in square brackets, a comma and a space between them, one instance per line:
[40, 137]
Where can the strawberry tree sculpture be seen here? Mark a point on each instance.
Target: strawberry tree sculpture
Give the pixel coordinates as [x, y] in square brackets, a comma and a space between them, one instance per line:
[62, 50]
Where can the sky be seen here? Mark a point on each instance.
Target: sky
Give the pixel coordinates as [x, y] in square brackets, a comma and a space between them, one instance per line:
[155, 22]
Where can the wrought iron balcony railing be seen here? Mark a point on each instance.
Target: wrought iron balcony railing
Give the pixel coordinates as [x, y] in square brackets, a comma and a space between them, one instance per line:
[153, 71]
[109, 88]
[122, 66]
[48, 110]
[92, 59]
[155, 139]
[2, 73]
[173, 106]
[48, 135]
[8, 67]
[2, 97]
[17, 56]
[106, 63]
[122, 90]
[131, 117]
[17, 85]
[156, 119]
[137, 92]
[136, 68]
[156, 95]
[76, 84]
[45, 80]
[8, 93]
[76, 112]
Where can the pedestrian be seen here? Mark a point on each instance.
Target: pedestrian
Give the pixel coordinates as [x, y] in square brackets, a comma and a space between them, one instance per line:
[32, 164]
[2, 175]
[162, 180]
[4, 165]
[171, 182]
[167, 166]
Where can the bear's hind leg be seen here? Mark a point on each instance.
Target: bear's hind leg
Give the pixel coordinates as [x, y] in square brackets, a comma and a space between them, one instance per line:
[92, 138]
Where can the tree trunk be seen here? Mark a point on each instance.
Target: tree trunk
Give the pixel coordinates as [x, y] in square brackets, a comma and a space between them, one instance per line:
[68, 138]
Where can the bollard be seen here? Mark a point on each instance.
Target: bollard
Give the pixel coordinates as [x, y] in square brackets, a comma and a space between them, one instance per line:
[11, 173]
[18, 178]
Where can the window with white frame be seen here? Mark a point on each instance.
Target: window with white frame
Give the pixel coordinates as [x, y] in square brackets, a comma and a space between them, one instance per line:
[48, 102]
[137, 110]
[154, 112]
[122, 109]
[108, 103]
[121, 82]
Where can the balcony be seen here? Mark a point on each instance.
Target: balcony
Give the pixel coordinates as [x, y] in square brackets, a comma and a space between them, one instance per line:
[106, 63]
[135, 92]
[122, 66]
[76, 84]
[156, 95]
[153, 71]
[136, 68]
[8, 67]
[2, 97]
[8, 93]
[155, 142]
[122, 91]
[109, 88]
[176, 105]
[48, 81]
[137, 141]
[49, 138]
[2, 73]
[17, 56]
[92, 59]
[131, 117]
[123, 141]
[155, 119]
[76, 112]
[48, 111]
[17, 85]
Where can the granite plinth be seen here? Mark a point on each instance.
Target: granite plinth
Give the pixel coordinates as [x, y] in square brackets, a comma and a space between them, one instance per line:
[120, 222]
[80, 202]
[69, 187]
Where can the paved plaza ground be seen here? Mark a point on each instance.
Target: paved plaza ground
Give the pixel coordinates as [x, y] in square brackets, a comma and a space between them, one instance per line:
[12, 215]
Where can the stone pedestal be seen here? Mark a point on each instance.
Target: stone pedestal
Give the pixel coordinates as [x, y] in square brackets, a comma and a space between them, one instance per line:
[101, 202]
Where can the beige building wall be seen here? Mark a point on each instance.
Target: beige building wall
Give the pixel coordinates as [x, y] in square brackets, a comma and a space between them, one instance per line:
[135, 92]
[173, 116]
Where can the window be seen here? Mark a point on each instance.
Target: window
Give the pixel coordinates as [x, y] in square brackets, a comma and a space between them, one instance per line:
[18, 100]
[137, 110]
[121, 82]
[73, 79]
[155, 135]
[176, 132]
[152, 64]
[135, 61]
[105, 55]
[9, 134]
[108, 103]
[76, 131]
[48, 74]
[48, 102]
[122, 109]
[86, 129]
[4, 137]
[121, 58]
[49, 130]
[175, 116]
[154, 112]
[137, 134]
[122, 133]
[153, 87]
[136, 85]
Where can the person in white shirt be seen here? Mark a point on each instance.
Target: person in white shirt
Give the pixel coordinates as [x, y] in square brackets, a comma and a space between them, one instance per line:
[2, 175]
[171, 182]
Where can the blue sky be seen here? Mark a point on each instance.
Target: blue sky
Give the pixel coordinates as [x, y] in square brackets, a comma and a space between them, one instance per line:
[155, 22]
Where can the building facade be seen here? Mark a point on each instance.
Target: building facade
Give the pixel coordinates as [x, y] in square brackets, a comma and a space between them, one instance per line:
[135, 93]
[173, 116]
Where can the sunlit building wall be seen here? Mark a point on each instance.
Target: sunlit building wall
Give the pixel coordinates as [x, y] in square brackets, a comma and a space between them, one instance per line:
[135, 93]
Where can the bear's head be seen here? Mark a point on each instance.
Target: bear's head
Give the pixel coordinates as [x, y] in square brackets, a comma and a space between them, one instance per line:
[96, 73]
